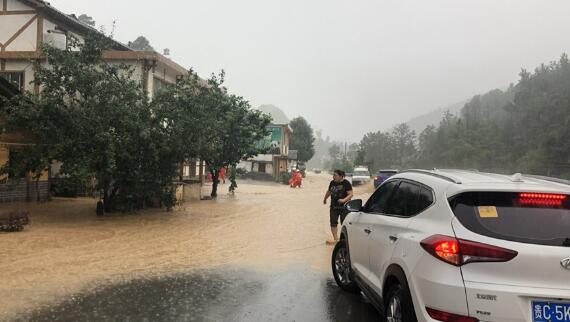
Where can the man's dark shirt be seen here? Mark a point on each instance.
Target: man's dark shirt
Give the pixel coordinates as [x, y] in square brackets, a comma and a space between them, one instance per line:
[339, 191]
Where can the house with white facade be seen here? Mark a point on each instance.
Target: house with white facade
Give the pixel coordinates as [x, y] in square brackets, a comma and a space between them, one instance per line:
[26, 24]
[275, 161]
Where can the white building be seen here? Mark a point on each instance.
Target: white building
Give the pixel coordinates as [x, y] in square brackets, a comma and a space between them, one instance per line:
[26, 24]
[276, 161]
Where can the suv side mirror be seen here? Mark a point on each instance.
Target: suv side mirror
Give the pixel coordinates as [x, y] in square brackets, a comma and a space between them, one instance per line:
[354, 205]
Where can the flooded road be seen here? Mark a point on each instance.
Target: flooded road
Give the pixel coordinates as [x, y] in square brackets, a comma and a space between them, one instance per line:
[259, 255]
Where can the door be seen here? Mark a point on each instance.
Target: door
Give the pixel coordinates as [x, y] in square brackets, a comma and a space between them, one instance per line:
[387, 229]
[359, 228]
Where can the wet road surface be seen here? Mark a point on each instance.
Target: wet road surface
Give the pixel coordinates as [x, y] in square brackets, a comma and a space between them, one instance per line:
[218, 295]
[256, 256]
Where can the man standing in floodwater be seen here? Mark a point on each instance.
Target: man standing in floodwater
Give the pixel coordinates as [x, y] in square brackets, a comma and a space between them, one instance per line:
[340, 191]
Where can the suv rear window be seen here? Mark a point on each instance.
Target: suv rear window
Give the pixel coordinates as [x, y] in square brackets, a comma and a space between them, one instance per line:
[541, 219]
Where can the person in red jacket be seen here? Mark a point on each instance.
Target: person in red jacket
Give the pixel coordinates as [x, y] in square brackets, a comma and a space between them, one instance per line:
[222, 174]
[296, 179]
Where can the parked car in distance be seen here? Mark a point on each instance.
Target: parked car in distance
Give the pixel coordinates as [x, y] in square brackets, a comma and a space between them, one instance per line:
[382, 175]
[361, 175]
[316, 170]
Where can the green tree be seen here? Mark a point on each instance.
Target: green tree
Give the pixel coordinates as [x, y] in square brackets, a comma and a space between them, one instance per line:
[88, 20]
[302, 139]
[377, 151]
[95, 119]
[140, 44]
[334, 152]
[403, 138]
[234, 129]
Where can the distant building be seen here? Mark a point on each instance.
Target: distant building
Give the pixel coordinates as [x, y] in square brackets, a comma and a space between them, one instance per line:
[271, 165]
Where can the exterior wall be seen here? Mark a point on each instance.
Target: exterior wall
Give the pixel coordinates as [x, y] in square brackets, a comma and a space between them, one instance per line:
[26, 41]
[55, 39]
[166, 74]
[263, 157]
[286, 139]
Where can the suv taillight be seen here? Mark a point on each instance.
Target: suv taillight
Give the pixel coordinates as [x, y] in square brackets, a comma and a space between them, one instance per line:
[459, 252]
[448, 317]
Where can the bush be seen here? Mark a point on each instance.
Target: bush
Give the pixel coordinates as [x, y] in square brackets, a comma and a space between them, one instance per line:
[284, 178]
[240, 172]
[68, 187]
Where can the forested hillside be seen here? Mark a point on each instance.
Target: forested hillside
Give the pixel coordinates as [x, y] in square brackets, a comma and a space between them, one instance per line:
[523, 129]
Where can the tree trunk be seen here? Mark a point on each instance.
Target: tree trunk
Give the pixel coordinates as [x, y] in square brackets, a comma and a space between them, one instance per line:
[106, 200]
[215, 181]
[38, 199]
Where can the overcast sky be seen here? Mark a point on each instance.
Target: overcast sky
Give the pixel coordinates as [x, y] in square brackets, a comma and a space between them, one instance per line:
[348, 67]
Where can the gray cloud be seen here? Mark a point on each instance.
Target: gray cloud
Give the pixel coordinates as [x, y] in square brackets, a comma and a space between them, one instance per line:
[348, 66]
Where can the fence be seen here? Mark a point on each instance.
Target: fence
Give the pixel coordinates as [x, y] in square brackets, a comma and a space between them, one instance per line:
[24, 190]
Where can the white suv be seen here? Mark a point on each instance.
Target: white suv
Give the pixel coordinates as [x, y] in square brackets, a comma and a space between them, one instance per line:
[453, 245]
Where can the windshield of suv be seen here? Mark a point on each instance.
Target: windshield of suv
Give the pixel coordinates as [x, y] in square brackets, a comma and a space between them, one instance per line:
[513, 216]
[361, 173]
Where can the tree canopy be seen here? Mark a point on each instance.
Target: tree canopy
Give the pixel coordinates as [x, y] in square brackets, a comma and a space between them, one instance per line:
[95, 118]
[88, 20]
[141, 44]
[302, 138]
[524, 128]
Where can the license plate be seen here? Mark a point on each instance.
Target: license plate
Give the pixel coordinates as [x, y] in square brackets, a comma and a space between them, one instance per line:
[544, 311]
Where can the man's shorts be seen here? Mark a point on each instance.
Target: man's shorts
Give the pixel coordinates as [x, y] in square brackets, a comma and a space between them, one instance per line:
[336, 213]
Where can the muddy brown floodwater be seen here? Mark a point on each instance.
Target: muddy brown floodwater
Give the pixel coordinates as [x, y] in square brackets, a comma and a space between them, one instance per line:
[67, 249]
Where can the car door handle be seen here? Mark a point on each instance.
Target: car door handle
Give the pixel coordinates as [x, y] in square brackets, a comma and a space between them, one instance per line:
[393, 238]
[368, 231]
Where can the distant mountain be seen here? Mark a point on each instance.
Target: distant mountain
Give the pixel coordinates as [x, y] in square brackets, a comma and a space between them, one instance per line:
[276, 113]
[419, 123]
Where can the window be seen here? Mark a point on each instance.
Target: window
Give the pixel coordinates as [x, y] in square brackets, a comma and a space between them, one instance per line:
[159, 85]
[506, 215]
[426, 199]
[15, 78]
[377, 202]
[405, 200]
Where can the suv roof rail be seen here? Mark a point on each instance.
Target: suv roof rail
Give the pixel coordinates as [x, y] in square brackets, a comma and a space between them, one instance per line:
[545, 178]
[434, 174]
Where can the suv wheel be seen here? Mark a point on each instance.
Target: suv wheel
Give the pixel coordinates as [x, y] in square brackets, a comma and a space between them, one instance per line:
[399, 306]
[342, 271]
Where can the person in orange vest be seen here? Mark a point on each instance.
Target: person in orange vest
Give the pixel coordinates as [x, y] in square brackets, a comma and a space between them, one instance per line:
[222, 174]
[296, 179]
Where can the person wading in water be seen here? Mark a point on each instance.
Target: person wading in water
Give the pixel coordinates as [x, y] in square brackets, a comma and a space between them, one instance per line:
[340, 191]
